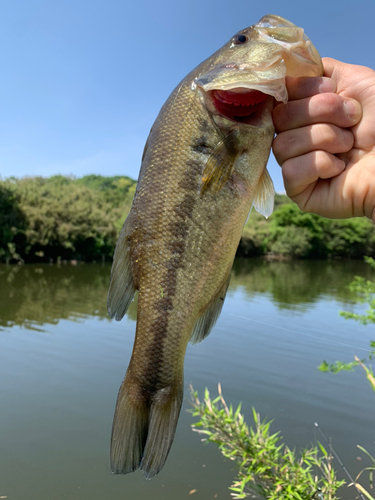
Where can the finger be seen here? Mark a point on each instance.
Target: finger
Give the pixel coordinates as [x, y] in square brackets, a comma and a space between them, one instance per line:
[300, 88]
[321, 136]
[299, 173]
[322, 108]
[332, 66]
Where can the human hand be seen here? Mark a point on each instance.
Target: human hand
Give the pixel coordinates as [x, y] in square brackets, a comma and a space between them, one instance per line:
[326, 141]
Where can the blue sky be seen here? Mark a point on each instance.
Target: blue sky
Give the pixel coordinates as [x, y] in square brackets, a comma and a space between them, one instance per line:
[82, 81]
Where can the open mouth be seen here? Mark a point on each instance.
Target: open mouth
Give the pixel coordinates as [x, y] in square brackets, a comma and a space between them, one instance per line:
[239, 104]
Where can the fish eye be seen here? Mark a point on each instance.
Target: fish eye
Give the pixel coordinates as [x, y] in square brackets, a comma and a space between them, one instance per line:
[238, 39]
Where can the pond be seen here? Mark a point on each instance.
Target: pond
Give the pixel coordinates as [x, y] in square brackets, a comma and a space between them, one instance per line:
[62, 361]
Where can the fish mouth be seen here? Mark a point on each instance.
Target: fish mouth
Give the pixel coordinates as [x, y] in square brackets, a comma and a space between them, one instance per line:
[241, 100]
[239, 104]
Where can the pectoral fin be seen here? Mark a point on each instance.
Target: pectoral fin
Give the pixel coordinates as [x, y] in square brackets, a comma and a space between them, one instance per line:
[121, 288]
[206, 321]
[220, 164]
[265, 194]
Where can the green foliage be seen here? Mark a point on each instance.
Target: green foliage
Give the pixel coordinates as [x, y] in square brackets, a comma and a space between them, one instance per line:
[62, 217]
[292, 241]
[67, 218]
[266, 467]
[337, 367]
[370, 470]
[293, 233]
[12, 223]
[254, 240]
[365, 293]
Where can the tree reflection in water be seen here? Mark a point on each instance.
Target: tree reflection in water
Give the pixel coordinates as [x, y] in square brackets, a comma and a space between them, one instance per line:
[34, 295]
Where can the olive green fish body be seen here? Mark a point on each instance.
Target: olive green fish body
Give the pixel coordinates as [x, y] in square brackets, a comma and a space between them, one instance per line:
[202, 170]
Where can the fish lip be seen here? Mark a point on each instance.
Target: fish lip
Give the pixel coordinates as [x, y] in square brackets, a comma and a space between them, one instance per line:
[250, 79]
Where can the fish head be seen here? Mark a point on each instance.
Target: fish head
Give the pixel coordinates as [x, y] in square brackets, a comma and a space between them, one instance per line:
[248, 73]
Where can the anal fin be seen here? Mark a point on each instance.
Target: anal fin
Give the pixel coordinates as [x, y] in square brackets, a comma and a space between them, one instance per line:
[207, 319]
[121, 288]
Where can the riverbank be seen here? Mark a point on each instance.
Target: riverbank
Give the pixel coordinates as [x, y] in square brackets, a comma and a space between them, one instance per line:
[64, 219]
[291, 233]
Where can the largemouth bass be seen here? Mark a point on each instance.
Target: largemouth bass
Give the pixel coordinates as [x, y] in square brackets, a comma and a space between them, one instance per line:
[203, 168]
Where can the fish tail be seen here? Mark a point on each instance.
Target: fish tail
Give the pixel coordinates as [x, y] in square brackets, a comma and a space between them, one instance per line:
[143, 429]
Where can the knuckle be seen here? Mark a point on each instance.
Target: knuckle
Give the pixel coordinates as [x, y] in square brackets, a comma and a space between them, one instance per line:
[330, 102]
[327, 165]
[322, 160]
[323, 134]
[328, 107]
[332, 138]
[289, 173]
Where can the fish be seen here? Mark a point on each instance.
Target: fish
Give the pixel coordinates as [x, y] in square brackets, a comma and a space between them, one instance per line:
[203, 168]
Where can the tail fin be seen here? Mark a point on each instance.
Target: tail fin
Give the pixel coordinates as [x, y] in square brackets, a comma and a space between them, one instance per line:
[143, 429]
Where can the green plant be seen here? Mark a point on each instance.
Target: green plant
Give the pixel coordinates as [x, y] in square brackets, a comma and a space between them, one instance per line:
[370, 470]
[364, 291]
[266, 467]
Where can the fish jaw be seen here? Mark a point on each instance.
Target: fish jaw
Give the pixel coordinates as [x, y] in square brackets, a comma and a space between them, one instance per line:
[234, 77]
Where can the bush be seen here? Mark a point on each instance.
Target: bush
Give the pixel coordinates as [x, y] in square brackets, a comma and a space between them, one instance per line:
[62, 217]
[266, 468]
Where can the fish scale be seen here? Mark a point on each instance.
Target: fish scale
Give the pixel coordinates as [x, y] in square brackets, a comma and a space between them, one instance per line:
[201, 172]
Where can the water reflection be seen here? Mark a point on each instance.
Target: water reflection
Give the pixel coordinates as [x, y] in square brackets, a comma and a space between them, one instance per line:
[295, 285]
[34, 295]
[59, 389]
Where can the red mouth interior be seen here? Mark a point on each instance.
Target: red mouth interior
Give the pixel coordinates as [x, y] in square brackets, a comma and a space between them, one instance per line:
[238, 104]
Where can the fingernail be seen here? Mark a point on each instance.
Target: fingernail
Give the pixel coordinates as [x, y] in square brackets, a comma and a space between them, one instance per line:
[327, 85]
[353, 109]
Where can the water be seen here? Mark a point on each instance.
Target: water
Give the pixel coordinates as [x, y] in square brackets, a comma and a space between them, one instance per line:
[62, 362]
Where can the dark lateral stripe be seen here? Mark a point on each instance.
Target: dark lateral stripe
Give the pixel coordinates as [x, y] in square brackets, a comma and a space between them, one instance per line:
[178, 230]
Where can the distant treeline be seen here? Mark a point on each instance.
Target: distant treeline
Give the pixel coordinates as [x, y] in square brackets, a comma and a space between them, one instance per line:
[64, 218]
[289, 232]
